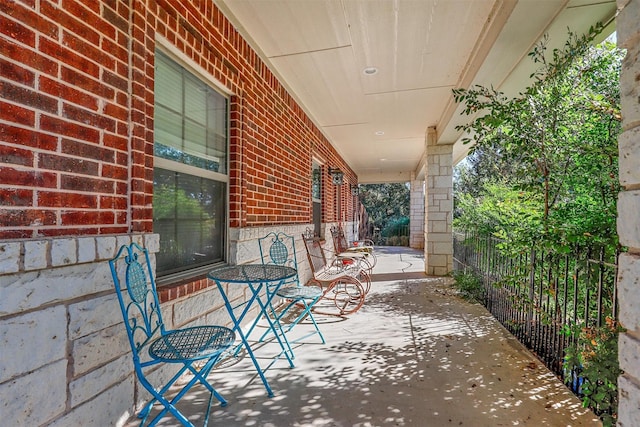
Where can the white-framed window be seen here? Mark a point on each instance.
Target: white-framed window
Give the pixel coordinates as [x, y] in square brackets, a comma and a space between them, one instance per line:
[190, 177]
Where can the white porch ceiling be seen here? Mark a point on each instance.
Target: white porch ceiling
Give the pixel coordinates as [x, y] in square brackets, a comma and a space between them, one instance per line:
[421, 49]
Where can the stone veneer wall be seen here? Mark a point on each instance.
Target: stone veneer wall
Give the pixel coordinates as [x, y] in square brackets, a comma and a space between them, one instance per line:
[416, 213]
[60, 326]
[628, 33]
[439, 207]
[63, 351]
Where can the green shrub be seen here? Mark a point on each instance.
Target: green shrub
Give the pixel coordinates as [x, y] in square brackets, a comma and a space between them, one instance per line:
[469, 285]
[595, 352]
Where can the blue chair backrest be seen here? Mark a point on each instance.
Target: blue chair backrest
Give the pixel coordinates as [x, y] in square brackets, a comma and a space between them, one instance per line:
[278, 248]
[136, 289]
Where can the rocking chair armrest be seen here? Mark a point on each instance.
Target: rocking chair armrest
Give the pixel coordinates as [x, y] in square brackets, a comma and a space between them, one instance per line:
[362, 242]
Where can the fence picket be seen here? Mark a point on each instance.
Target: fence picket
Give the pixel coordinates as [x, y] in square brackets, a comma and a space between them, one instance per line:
[540, 297]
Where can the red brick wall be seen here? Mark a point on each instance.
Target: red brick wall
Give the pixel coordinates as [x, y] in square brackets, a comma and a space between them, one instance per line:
[76, 118]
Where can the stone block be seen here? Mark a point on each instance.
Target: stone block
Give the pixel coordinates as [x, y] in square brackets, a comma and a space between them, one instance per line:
[627, 28]
[31, 341]
[248, 251]
[218, 317]
[446, 160]
[446, 205]
[137, 239]
[628, 224]
[152, 242]
[629, 88]
[157, 376]
[86, 387]
[63, 252]
[438, 271]
[36, 398]
[445, 171]
[434, 215]
[106, 247]
[33, 289]
[629, 355]
[445, 181]
[124, 239]
[234, 233]
[439, 237]
[629, 148]
[9, 257]
[434, 260]
[629, 291]
[440, 150]
[443, 248]
[95, 350]
[89, 316]
[112, 407]
[235, 292]
[187, 310]
[629, 402]
[86, 249]
[35, 254]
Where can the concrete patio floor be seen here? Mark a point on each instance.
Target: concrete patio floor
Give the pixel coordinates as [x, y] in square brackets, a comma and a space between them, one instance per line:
[414, 355]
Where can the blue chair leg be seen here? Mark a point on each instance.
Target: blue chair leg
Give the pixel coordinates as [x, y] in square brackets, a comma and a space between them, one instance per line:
[169, 406]
[306, 312]
[144, 412]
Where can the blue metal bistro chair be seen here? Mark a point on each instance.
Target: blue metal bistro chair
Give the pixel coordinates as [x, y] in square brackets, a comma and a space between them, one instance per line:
[279, 249]
[152, 344]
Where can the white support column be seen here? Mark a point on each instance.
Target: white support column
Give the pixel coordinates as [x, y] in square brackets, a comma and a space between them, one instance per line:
[628, 29]
[438, 252]
[416, 213]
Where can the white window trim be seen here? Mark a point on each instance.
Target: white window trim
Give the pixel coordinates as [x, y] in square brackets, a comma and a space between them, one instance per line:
[179, 57]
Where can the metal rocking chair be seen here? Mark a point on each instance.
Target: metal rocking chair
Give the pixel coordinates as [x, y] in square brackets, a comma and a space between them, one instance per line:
[344, 283]
[152, 344]
[279, 249]
[361, 250]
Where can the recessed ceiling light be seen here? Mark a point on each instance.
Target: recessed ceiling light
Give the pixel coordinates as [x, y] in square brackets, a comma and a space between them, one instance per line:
[370, 71]
[380, 133]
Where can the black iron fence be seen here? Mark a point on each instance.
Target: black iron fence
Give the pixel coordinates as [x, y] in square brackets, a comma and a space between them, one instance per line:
[543, 296]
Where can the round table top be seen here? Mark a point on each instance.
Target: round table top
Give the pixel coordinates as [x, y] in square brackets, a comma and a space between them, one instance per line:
[252, 273]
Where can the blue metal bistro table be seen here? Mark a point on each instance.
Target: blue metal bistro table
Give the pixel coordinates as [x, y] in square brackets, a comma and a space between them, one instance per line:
[263, 281]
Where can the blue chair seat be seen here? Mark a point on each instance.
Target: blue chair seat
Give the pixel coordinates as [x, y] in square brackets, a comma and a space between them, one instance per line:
[190, 344]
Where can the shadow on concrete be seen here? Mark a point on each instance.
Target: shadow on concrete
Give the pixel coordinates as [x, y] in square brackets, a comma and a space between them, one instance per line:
[414, 355]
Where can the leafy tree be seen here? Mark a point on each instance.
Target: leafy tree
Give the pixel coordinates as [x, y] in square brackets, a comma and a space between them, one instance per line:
[558, 138]
[386, 204]
[543, 172]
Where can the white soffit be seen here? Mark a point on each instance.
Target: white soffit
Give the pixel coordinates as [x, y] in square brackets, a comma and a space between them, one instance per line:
[421, 49]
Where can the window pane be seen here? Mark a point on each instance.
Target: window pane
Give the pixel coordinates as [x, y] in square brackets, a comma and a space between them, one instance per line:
[195, 107]
[168, 80]
[188, 209]
[316, 188]
[189, 116]
[218, 121]
[195, 139]
[189, 215]
[168, 129]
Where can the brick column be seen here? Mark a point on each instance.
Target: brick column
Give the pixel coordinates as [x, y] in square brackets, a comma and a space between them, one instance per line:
[416, 213]
[628, 28]
[438, 251]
